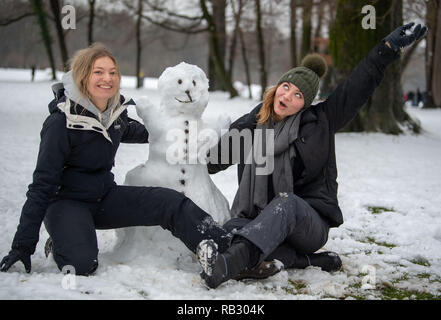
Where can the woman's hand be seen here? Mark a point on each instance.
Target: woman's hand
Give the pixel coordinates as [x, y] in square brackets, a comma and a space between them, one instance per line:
[14, 256]
[399, 39]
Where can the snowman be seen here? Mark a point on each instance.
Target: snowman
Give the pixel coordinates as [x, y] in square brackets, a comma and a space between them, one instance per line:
[178, 143]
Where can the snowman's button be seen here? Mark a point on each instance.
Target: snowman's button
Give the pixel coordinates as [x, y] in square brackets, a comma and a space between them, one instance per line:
[186, 122]
[186, 131]
[183, 171]
[182, 182]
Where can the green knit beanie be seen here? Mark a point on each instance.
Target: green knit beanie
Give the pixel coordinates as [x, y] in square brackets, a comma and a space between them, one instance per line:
[307, 76]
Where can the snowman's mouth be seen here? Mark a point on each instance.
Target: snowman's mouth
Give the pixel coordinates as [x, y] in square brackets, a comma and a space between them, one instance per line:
[181, 101]
[186, 101]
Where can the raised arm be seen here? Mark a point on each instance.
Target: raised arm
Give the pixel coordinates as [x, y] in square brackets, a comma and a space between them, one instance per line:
[346, 100]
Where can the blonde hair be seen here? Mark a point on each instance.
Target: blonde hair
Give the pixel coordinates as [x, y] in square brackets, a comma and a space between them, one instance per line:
[267, 113]
[82, 65]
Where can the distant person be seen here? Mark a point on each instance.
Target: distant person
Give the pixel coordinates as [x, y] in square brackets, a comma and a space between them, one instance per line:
[415, 100]
[141, 79]
[286, 214]
[73, 189]
[410, 96]
[419, 97]
[33, 73]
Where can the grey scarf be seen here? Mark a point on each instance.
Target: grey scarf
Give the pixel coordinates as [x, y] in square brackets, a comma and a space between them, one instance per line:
[252, 195]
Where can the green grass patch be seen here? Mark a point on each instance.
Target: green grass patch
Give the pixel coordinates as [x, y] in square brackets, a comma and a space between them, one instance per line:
[297, 287]
[421, 261]
[378, 210]
[400, 294]
[403, 277]
[371, 240]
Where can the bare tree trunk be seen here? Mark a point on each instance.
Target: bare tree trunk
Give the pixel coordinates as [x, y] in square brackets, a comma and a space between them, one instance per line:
[261, 48]
[307, 27]
[318, 31]
[332, 4]
[406, 58]
[237, 17]
[56, 11]
[245, 63]
[91, 21]
[433, 48]
[37, 5]
[139, 77]
[293, 25]
[218, 19]
[436, 81]
[217, 56]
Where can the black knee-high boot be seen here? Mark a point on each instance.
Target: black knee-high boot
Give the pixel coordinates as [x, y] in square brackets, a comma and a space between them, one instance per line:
[218, 268]
[327, 261]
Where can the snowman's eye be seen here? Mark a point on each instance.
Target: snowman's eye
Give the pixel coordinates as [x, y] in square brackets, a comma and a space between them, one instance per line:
[194, 83]
[180, 81]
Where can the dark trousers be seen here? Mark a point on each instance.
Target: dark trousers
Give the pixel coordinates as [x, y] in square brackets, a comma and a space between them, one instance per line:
[285, 230]
[72, 224]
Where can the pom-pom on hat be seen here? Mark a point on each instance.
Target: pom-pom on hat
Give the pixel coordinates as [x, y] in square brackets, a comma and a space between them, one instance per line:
[307, 76]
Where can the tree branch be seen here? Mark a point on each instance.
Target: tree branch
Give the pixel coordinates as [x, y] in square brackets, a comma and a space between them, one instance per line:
[172, 14]
[12, 20]
[167, 24]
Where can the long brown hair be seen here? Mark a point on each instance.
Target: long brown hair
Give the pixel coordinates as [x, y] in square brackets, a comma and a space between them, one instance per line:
[267, 113]
[82, 64]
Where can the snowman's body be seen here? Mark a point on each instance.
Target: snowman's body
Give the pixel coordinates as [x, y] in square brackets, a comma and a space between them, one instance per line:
[178, 141]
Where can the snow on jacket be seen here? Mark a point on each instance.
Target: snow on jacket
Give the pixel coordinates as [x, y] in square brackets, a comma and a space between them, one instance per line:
[74, 161]
[315, 168]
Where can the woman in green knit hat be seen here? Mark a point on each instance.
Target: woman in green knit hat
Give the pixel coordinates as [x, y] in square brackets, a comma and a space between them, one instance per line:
[285, 214]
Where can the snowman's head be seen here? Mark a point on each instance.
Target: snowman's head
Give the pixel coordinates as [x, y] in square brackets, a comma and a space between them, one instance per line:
[184, 90]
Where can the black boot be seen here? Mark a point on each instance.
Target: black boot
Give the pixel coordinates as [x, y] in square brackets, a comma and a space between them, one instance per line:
[263, 270]
[218, 268]
[328, 261]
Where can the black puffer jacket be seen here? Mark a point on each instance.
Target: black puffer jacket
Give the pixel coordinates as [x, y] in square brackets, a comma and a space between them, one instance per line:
[75, 159]
[315, 168]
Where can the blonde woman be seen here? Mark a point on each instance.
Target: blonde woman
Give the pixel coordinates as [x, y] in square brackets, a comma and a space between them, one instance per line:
[286, 214]
[73, 190]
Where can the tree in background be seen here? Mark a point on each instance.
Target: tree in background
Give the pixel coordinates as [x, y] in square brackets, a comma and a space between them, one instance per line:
[307, 27]
[91, 21]
[261, 46]
[40, 13]
[293, 35]
[350, 43]
[56, 12]
[238, 33]
[218, 46]
[139, 76]
[207, 21]
[433, 54]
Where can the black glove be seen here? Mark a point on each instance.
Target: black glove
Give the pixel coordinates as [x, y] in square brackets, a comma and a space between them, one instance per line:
[399, 39]
[13, 256]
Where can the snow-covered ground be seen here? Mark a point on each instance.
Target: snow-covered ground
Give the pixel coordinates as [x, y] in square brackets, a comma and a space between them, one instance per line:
[390, 194]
